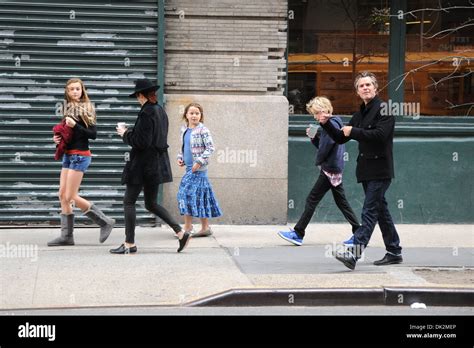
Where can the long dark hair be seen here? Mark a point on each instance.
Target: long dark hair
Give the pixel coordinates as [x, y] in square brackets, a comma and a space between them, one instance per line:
[150, 95]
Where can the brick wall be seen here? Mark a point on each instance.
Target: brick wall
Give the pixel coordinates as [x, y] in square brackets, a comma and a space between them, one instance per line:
[225, 46]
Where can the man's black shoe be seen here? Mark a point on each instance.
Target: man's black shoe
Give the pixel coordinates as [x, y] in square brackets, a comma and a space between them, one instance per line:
[124, 250]
[389, 259]
[346, 258]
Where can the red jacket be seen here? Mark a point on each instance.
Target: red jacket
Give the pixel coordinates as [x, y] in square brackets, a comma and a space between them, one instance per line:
[65, 132]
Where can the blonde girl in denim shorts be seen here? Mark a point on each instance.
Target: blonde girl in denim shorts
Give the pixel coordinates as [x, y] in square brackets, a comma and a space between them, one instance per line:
[79, 115]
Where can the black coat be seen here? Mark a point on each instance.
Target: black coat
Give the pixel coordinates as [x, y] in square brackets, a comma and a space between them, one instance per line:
[374, 132]
[149, 161]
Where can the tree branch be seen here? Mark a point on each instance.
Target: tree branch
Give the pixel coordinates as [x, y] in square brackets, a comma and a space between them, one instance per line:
[450, 76]
[444, 9]
[451, 30]
[453, 106]
[329, 59]
[412, 71]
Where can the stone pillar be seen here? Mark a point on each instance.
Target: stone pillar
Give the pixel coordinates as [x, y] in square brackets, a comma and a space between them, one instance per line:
[249, 169]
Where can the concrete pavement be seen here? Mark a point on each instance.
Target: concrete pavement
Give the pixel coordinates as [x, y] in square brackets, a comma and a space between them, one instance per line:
[235, 257]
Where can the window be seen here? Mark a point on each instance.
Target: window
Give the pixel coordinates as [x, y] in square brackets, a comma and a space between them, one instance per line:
[330, 41]
[301, 88]
[440, 56]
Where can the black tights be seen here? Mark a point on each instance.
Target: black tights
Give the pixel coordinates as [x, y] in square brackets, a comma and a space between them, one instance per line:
[321, 187]
[150, 192]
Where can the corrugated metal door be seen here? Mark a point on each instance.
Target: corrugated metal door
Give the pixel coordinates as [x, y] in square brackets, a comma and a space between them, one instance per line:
[108, 44]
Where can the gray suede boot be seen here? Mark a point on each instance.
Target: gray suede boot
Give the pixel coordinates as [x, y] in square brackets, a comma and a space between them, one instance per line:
[106, 224]
[67, 229]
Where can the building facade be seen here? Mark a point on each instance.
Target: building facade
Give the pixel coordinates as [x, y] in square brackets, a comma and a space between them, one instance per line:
[252, 66]
[228, 56]
[422, 53]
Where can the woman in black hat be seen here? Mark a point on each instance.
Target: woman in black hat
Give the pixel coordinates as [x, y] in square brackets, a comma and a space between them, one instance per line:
[148, 166]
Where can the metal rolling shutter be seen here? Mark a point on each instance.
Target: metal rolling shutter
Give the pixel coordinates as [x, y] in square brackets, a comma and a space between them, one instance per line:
[108, 44]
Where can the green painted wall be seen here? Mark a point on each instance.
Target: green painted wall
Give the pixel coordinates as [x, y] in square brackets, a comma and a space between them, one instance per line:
[433, 174]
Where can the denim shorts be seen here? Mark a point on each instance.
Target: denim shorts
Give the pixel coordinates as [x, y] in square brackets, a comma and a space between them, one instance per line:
[76, 162]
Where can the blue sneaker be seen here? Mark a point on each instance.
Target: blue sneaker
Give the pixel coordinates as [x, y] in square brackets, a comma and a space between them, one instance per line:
[349, 242]
[291, 237]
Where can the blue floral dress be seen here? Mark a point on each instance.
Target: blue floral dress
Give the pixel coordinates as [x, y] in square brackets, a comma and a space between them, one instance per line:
[195, 195]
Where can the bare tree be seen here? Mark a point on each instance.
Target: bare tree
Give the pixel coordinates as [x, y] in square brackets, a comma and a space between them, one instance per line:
[460, 62]
[356, 19]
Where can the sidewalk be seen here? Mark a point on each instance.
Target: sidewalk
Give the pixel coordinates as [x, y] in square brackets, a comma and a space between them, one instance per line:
[235, 257]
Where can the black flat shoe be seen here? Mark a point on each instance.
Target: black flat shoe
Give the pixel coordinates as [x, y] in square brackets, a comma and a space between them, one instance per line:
[389, 259]
[183, 242]
[124, 250]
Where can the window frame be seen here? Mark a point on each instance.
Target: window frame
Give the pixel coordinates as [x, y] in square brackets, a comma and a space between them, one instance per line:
[424, 125]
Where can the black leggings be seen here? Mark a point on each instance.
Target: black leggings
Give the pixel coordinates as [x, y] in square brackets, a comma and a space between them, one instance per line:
[151, 197]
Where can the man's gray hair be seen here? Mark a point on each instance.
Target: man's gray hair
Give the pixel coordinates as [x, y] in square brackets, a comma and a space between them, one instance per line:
[366, 74]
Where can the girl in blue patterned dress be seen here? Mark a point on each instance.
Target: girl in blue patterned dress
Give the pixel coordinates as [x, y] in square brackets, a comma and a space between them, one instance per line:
[195, 196]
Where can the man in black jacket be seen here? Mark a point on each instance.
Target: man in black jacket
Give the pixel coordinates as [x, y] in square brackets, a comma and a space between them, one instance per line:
[374, 132]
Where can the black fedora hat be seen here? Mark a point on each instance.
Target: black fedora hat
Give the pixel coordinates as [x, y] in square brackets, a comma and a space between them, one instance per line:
[143, 85]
